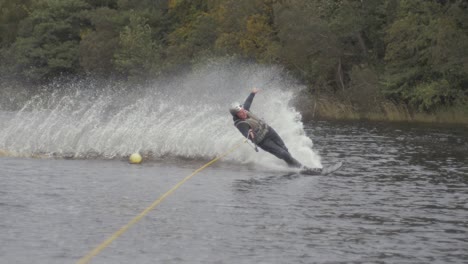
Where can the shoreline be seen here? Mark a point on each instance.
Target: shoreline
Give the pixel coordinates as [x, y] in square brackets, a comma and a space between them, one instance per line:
[327, 109]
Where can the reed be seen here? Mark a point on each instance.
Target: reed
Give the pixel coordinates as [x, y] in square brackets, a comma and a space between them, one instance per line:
[329, 108]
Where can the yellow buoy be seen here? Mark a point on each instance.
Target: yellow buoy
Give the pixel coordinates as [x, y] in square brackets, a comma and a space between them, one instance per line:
[135, 158]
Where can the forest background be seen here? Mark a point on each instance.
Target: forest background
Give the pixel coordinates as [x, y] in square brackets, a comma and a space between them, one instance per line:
[395, 60]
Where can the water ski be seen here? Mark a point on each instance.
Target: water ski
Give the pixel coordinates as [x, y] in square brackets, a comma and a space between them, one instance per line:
[324, 171]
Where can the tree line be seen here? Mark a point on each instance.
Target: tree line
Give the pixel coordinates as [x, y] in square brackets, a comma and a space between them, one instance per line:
[413, 52]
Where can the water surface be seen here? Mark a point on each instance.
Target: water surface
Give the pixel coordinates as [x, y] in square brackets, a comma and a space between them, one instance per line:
[402, 197]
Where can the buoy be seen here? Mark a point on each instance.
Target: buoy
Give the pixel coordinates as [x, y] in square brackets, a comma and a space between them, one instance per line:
[135, 158]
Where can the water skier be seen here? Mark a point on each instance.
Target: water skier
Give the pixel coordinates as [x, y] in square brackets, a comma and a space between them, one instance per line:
[261, 134]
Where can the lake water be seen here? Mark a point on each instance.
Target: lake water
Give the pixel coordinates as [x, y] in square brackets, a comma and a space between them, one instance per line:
[402, 197]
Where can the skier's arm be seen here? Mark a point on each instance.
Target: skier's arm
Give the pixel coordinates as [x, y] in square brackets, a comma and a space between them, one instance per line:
[249, 99]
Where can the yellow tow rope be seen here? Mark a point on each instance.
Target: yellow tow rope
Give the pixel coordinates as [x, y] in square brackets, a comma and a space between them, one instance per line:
[103, 245]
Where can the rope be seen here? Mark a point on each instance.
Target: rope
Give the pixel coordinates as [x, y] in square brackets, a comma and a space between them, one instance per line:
[136, 219]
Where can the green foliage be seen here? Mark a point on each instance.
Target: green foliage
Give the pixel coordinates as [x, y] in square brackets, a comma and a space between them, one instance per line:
[102, 3]
[257, 40]
[48, 39]
[364, 90]
[138, 54]
[429, 95]
[193, 32]
[312, 56]
[100, 42]
[11, 13]
[413, 52]
[426, 55]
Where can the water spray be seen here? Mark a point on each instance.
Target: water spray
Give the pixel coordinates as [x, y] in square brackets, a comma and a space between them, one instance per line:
[84, 119]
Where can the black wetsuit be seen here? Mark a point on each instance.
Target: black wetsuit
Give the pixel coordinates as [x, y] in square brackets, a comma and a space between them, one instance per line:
[272, 142]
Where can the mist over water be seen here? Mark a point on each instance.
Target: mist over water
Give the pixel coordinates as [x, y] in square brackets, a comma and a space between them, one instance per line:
[186, 116]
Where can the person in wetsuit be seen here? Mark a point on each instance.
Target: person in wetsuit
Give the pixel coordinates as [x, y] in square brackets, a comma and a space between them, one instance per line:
[259, 132]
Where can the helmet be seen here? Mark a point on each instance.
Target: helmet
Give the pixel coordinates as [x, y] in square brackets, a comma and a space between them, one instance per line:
[235, 108]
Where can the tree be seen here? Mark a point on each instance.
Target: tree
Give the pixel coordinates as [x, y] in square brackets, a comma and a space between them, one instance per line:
[137, 55]
[426, 55]
[11, 13]
[308, 47]
[247, 29]
[258, 40]
[100, 42]
[191, 34]
[48, 41]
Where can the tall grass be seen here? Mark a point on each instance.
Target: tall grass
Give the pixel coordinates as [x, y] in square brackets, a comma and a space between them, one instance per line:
[326, 108]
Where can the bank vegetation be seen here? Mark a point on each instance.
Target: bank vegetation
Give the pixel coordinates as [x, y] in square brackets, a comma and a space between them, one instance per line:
[360, 59]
